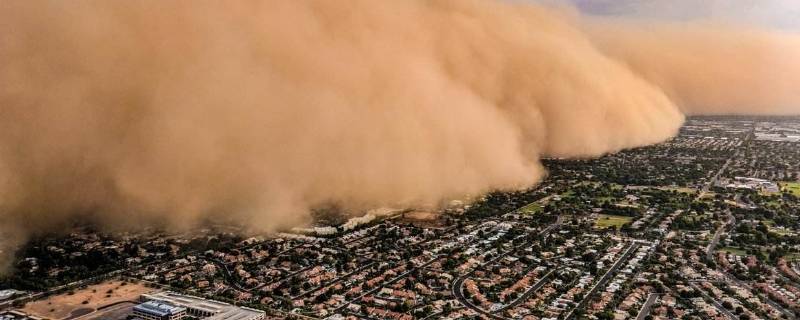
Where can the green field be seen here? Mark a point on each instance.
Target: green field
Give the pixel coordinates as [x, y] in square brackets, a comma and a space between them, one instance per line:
[734, 251]
[604, 199]
[770, 224]
[532, 208]
[793, 187]
[680, 189]
[606, 220]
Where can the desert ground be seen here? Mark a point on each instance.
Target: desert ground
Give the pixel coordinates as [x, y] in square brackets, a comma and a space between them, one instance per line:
[75, 304]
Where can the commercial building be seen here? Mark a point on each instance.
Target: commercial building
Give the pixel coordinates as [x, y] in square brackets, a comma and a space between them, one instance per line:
[205, 308]
[17, 315]
[159, 310]
[754, 184]
[7, 294]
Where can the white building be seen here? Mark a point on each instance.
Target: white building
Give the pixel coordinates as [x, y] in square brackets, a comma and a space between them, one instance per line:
[204, 308]
[159, 310]
[17, 315]
[7, 294]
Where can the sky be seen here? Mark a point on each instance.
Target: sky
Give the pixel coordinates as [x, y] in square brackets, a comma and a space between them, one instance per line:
[781, 14]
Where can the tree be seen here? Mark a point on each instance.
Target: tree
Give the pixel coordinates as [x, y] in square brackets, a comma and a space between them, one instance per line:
[727, 305]
[605, 315]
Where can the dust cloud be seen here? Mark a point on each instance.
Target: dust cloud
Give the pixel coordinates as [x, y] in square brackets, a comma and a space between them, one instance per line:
[710, 68]
[170, 113]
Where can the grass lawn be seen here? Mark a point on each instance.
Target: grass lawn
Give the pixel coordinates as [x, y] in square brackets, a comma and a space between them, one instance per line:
[680, 189]
[771, 225]
[734, 251]
[607, 220]
[686, 190]
[532, 208]
[793, 187]
[708, 196]
[604, 199]
[780, 232]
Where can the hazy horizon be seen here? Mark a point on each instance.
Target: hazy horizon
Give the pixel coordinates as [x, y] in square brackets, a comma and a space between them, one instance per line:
[781, 14]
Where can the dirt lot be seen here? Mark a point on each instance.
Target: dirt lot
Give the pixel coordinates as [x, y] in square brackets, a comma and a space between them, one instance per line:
[67, 305]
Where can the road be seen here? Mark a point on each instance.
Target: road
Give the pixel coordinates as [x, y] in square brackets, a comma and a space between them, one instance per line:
[645, 310]
[459, 294]
[714, 302]
[458, 284]
[719, 173]
[732, 222]
[624, 257]
[716, 177]
[731, 278]
[379, 287]
[731, 218]
[334, 281]
[226, 273]
[524, 297]
[717, 234]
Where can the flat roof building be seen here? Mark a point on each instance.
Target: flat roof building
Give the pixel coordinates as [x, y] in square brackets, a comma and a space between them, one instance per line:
[17, 315]
[205, 308]
[7, 294]
[159, 310]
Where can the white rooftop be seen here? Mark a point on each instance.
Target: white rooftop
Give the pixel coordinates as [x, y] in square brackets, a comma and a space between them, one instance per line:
[220, 310]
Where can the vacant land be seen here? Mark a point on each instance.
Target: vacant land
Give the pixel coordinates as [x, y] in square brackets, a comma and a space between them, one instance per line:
[85, 301]
[607, 220]
[793, 187]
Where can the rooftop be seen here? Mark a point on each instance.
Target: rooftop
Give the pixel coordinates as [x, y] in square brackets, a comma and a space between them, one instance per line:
[159, 308]
[221, 310]
[16, 315]
[7, 294]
